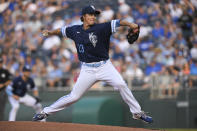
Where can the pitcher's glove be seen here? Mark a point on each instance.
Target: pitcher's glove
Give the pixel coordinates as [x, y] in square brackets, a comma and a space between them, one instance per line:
[133, 34]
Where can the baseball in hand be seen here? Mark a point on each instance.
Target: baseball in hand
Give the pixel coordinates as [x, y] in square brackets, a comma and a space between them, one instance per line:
[45, 33]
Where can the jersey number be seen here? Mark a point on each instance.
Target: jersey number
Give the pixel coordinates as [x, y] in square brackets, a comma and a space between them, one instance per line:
[81, 48]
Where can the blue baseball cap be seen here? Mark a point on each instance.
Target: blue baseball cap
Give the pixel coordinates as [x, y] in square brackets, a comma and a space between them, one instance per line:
[26, 68]
[90, 10]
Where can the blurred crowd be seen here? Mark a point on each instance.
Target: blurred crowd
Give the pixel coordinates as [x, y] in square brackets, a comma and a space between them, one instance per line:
[167, 45]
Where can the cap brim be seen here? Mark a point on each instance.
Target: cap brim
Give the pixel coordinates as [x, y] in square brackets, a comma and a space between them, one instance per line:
[26, 70]
[97, 12]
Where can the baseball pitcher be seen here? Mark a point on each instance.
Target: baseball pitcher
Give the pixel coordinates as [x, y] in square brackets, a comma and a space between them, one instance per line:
[92, 43]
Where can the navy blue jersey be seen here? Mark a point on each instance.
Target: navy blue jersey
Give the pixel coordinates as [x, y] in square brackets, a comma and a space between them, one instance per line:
[92, 44]
[20, 87]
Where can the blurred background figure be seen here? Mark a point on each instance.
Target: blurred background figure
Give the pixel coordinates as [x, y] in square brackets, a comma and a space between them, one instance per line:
[54, 76]
[193, 74]
[17, 93]
[123, 8]
[106, 15]
[5, 79]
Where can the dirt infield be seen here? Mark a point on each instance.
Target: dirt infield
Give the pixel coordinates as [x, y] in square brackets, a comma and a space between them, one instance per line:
[53, 126]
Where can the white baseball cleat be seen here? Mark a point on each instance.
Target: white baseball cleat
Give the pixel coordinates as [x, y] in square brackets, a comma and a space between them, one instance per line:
[142, 116]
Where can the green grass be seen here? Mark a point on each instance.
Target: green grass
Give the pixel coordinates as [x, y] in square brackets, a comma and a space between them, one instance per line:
[178, 129]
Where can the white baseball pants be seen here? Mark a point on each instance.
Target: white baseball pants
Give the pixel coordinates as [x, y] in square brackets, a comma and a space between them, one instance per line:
[27, 100]
[88, 76]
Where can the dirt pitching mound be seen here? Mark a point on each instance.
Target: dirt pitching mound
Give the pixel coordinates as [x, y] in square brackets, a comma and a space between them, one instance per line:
[54, 126]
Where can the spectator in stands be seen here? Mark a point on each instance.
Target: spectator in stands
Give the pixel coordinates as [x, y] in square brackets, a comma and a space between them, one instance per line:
[58, 22]
[153, 68]
[76, 20]
[158, 55]
[123, 8]
[168, 60]
[54, 76]
[106, 15]
[175, 12]
[29, 61]
[65, 66]
[193, 74]
[158, 30]
[167, 32]
[181, 40]
[146, 47]
[176, 80]
[186, 69]
[180, 60]
[39, 69]
[193, 50]
[50, 42]
[142, 16]
[117, 54]
[123, 44]
[136, 57]
[51, 7]
[135, 73]
[165, 82]
[34, 23]
[185, 22]
[128, 17]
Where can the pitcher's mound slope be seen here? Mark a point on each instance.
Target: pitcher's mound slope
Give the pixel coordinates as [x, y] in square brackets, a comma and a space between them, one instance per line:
[53, 126]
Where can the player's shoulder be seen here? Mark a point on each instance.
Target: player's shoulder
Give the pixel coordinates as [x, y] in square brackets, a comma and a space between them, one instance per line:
[30, 79]
[74, 27]
[18, 78]
[103, 25]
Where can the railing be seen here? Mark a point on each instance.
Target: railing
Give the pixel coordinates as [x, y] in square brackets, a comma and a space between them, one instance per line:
[160, 86]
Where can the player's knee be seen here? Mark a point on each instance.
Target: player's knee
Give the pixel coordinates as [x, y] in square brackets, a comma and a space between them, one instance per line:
[15, 107]
[121, 84]
[75, 98]
[38, 105]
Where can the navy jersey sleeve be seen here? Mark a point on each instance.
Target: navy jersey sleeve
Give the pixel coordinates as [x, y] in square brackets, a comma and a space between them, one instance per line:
[67, 32]
[106, 28]
[14, 83]
[31, 81]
